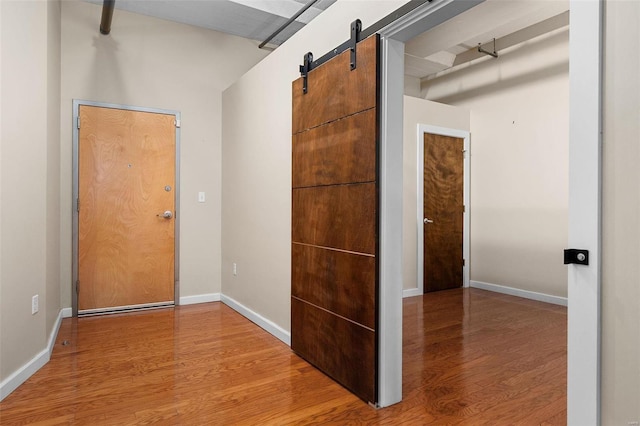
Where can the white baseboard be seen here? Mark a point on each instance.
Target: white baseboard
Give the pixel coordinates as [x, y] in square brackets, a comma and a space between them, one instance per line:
[66, 313]
[200, 298]
[411, 292]
[21, 375]
[540, 297]
[264, 323]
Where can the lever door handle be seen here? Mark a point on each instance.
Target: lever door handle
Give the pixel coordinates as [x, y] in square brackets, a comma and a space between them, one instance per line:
[426, 220]
[167, 214]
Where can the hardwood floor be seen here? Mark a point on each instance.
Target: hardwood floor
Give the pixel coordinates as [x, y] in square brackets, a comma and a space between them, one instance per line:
[470, 357]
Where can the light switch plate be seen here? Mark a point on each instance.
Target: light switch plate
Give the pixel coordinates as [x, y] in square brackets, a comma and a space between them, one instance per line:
[201, 197]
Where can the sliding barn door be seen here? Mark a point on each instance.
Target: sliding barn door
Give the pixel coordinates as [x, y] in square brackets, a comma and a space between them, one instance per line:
[335, 219]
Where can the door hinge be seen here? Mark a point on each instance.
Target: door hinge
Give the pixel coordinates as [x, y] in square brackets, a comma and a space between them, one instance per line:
[177, 123]
[78, 204]
[464, 262]
[464, 209]
[78, 122]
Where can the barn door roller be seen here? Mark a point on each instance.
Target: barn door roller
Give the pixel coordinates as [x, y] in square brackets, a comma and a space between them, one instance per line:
[308, 64]
[356, 28]
[304, 70]
[357, 34]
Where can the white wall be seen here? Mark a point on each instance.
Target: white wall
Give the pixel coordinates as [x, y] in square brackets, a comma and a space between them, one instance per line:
[157, 64]
[621, 216]
[256, 180]
[420, 111]
[519, 162]
[30, 81]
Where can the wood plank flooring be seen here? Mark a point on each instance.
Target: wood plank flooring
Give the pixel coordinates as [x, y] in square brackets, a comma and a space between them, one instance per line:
[470, 357]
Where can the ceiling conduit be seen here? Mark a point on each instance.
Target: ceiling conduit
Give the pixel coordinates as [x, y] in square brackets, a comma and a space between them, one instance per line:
[107, 16]
[286, 24]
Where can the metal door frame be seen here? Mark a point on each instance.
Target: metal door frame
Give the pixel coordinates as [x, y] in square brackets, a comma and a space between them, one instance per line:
[77, 103]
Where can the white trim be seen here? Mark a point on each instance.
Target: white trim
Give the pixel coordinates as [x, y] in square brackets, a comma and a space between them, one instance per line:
[526, 294]
[66, 312]
[455, 133]
[389, 327]
[411, 292]
[262, 322]
[389, 330]
[22, 374]
[200, 298]
[584, 283]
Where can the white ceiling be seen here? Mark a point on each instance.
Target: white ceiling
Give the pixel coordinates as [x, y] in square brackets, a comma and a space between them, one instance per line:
[456, 41]
[252, 19]
[508, 21]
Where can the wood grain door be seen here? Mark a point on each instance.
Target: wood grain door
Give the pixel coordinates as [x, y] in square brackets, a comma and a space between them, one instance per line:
[334, 272]
[443, 212]
[126, 183]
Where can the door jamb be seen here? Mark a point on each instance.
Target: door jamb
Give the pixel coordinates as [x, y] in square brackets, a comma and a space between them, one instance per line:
[392, 38]
[466, 136]
[76, 110]
[585, 182]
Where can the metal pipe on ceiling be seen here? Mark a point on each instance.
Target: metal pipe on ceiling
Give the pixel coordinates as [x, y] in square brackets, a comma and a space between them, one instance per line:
[286, 24]
[107, 16]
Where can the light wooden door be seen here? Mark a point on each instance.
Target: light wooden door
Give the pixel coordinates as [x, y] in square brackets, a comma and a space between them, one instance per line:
[443, 212]
[126, 183]
[334, 275]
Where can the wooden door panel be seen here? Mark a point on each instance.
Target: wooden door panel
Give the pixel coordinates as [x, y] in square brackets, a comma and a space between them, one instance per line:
[342, 349]
[337, 281]
[444, 204]
[334, 91]
[341, 217]
[125, 251]
[334, 272]
[339, 152]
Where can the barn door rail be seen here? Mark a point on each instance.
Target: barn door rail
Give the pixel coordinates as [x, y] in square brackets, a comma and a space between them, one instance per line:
[357, 34]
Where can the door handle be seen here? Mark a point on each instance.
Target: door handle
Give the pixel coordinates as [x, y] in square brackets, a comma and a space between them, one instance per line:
[167, 215]
[427, 220]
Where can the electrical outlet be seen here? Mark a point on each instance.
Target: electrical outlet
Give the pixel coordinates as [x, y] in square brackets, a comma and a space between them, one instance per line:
[34, 305]
[235, 269]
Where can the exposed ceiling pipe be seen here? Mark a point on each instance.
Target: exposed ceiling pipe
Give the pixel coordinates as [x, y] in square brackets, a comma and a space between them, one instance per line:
[107, 15]
[286, 24]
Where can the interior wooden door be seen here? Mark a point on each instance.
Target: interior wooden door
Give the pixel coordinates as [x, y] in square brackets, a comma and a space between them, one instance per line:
[443, 212]
[334, 272]
[126, 199]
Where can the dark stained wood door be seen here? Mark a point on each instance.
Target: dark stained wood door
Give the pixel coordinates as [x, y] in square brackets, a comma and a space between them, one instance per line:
[126, 176]
[334, 249]
[443, 212]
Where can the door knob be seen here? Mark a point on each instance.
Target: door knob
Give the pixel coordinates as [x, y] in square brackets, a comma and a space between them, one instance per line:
[427, 220]
[167, 215]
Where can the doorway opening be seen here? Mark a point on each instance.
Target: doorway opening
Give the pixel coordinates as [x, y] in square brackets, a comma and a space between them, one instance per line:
[584, 180]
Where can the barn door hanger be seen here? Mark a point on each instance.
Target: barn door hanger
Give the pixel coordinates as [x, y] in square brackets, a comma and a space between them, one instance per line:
[356, 29]
[309, 64]
[304, 70]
